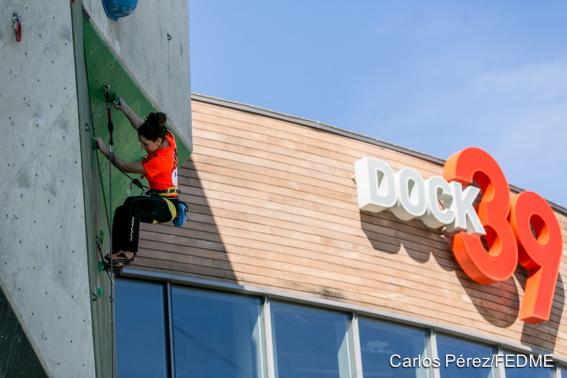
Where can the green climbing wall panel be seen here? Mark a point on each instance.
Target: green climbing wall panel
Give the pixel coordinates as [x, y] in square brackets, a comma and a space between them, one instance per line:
[103, 68]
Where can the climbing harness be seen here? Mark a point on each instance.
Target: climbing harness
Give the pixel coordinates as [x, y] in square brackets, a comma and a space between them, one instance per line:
[162, 193]
[178, 208]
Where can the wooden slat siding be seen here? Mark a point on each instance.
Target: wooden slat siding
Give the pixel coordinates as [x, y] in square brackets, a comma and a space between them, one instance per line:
[297, 263]
[273, 204]
[263, 259]
[331, 262]
[274, 236]
[311, 211]
[261, 183]
[417, 280]
[330, 150]
[271, 160]
[284, 212]
[308, 154]
[288, 224]
[290, 132]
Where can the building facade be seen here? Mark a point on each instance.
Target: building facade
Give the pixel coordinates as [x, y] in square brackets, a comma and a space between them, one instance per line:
[279, 274]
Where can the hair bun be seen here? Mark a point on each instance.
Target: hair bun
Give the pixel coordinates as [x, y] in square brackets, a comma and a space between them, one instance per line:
[161, 118]
[158, 118]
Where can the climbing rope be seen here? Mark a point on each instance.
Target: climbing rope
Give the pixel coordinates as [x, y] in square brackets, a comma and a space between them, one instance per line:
[107, 97]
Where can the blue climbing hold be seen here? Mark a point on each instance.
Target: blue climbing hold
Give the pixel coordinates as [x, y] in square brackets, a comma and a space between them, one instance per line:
[115, 9]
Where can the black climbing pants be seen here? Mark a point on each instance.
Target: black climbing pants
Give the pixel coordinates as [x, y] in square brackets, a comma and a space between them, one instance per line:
[127, 218]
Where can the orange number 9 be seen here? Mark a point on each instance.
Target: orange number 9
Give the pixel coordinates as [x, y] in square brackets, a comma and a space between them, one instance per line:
[540, 247]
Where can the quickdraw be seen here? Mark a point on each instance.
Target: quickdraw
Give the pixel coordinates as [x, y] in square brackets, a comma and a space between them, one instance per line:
[17, 25]
[108, 99]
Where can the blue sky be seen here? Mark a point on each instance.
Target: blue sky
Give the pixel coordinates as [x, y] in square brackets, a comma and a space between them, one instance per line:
[434, 76]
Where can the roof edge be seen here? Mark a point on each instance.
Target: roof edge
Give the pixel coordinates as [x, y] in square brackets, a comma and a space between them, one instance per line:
[338, 131]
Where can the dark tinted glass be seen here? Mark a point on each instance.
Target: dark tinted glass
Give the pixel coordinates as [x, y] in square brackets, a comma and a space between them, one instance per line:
[216, 334]
[386, 348]
[140, 329]
[450, 349]
[17, 357]
[525, 366]
[310, 343]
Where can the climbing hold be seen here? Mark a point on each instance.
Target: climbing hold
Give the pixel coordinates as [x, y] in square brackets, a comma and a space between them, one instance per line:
[115, 9]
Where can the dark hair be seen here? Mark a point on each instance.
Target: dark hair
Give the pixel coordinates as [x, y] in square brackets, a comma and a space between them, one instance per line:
[154, 126]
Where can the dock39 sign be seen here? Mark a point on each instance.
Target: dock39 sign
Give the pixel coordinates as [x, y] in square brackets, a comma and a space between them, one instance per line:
[517, 228]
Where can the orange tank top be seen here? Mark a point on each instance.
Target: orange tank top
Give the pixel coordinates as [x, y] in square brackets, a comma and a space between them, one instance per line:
[161, 166]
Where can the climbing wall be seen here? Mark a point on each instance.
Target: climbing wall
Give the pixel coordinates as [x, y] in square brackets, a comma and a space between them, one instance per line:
[153, 45]
[43, 262]
[55, 302]
[105, 186]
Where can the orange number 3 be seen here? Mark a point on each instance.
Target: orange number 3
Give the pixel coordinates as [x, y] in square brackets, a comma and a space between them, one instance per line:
[498, 263]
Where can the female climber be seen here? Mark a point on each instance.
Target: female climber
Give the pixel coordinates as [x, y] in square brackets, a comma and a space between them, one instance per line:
[160, 203]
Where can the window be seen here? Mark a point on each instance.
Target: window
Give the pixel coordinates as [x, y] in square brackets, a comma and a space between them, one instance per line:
[524, 366]
[386, 346]
[450, 349]
[310, 343]
[141, 341]
[210, 334]
[216, 334]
